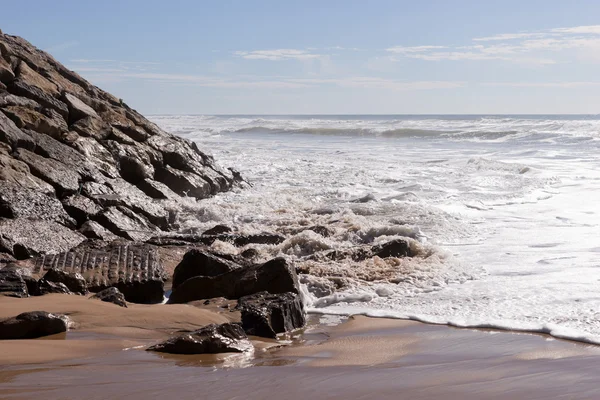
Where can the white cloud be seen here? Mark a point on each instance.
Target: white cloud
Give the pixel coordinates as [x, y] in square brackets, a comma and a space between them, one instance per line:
[508, 36]
[591, 29]
[564, 85]
[62, 46]
[277, 54]
[413, 49]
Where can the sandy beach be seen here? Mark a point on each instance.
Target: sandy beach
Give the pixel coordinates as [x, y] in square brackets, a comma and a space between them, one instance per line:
[361, 358]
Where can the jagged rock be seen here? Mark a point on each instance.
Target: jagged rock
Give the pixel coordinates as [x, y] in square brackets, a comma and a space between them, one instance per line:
[63, 178]
[30, 77]
[266, 315]
[92, 127]
[77, 108]
[111, 295]
[80, 208]
[135, 269]
[93, 230]
[9, 133]
[46, 287]
[394, 248]
[31, 325]
[6, 73]
[21, 88]
[211, 339]
[30, 281]
[18, 173]
[97, 155]
[156, 190]
[217, 230]
[29, 237]
[124, 223]
[12, 284]
[263, 238]
[19, 202]
[72, 280]
[27, 118]
[275, 276]
[183, 183]
[198, 262]
[7, 99]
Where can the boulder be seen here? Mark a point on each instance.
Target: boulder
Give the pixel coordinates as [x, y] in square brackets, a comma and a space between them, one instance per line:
[125, 223]
[111, 295]
[20, 88]
[12, 284]
[10, 134]
[77, 108]
[183, 183]
[156, 190]
[29, 76]
[93, 230]
[265, 314]
[17, 172]
[31, 325]
[72, 280]
[197, 262]
[92, 127]
[60, 176]
[27, 118]
[394, 248]
[46, 287]
[81, 208]
[212, 339]
[275, 276]
[30, 281]
[217, 230]
[6, 73]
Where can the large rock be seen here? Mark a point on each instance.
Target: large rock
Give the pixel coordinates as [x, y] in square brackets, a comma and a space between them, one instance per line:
[17, 172]
[46, 287]
[197, 262]
[265, 314]
[394, 248]
[275, 276]
[12, 284]
[49, 123]
[78, 109]
[212, 339]
[10, 134]
[81, 208]
[30, 281]
[60, 176]
[74, 281]
[31, 325]
[111, 295]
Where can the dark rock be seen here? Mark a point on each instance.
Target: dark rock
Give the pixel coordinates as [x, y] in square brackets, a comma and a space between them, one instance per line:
[394, 248]
[321, 230]
[156, 190]
[6, 73]
[81, 208]
[12, 284]
[263, 238]
[32, 78]
[125, 223]
[30, 281]
[7, 99]
[111, 295]
[217, 230]
[6, 258]
[135, 269]
[250, 253]
[198, 262]
[9, 133]
[212, 339]
[275, 276]
[183, 183]
[19, 202]
[46, 287]
[72, 280]
[93, 230]
[266, 315]
[34, 324]
[63, 178]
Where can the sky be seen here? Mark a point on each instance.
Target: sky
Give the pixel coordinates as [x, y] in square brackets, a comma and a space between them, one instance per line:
[326, 56]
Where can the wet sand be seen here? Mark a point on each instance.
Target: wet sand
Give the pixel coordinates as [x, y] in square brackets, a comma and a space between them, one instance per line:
[362, 358]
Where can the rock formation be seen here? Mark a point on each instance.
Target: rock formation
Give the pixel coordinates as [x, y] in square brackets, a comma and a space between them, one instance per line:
[212, 339]
[31, 325]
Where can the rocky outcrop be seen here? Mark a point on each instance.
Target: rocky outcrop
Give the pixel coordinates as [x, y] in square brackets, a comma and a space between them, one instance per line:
[78, 163]
[111, 295]
[12, 284]
[265, 314]
[72, 280]
[275, 276]
[31, 325]
[211, 339]
[197, 262]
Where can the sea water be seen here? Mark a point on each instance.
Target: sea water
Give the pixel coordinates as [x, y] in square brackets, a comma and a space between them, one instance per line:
[503, 212]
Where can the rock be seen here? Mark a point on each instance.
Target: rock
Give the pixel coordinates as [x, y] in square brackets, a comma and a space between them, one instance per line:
[9, 133]
[212, 339]
[111, 295]
[6, 73]
[93, 230]
[30, 77]
[46, 287]
[31, 325]
[125, 223]
[183, 183]
[81, 208]
[30, 281]
[135, 269]
[12, 284]
[21, 88]
[7, 99]
[263, 238]
[92, 127]
[72, 280]
[275, 276]
[20, 202]
[60, 176]
[217, 230]
[394, 248]
[26, 118]
[198, 262]
[157, 190]
[78, 109]
[6, 258]
[266, 315]
[29, 237]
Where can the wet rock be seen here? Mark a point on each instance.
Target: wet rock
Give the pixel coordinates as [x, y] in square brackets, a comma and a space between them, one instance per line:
[31, 325]
[81, 208]
[19, 202]
[72, 280]
[250, 253]
[263, 238]
[266, 315]
[212, 339]
[217, 230]
[275, 276]
[198, 262]
[46, 287]
[31, 237]
[10, 134]
[183, 183]
[394, 248]
[111, 295]
[12, 284]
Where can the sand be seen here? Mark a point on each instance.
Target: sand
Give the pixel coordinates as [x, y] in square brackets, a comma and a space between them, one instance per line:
[362, 358]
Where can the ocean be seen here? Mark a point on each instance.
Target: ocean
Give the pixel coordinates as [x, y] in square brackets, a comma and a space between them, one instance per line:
[502, 210]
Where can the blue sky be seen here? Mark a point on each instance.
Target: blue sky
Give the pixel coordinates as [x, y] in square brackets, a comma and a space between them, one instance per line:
[326, 57]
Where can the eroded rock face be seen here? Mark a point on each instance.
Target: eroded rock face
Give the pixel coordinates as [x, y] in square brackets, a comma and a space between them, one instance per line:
[265, 314]
[212, 339]
[31, 325]
[73, 155]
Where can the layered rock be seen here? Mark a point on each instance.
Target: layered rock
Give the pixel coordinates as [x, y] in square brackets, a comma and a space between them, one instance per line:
[78, 163]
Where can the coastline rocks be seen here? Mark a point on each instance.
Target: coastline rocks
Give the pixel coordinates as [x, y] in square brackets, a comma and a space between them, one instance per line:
[266, 315]
[12, 284]
[211, 339]
[72, 280]
[394, 248]
[31, 325]
[47, 287]
[275, 276]
[111, 295]
[197, 262]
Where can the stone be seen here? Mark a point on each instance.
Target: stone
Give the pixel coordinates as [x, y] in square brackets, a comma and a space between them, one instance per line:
[20, 202]
[47, 287]
[30, 237]
[211, 339]
[34, 324]
[7, 99]
[77, 108]
[9, 133]
[183, 183]
[275, 276]
[263, 238]
[394, 248]
[21, 88]
[266, 315]
[217, 230]
[197, 262]
[64, 180]
[125, 223]
[81, 208]
[30, 77]
[93, 230]
[135, 269]
[30, 281]
[6, 73]
[157, 190]
[97, 155]
[12, 284]
[111, 295]
[72, 280]
[92, 127]
[26, 118]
